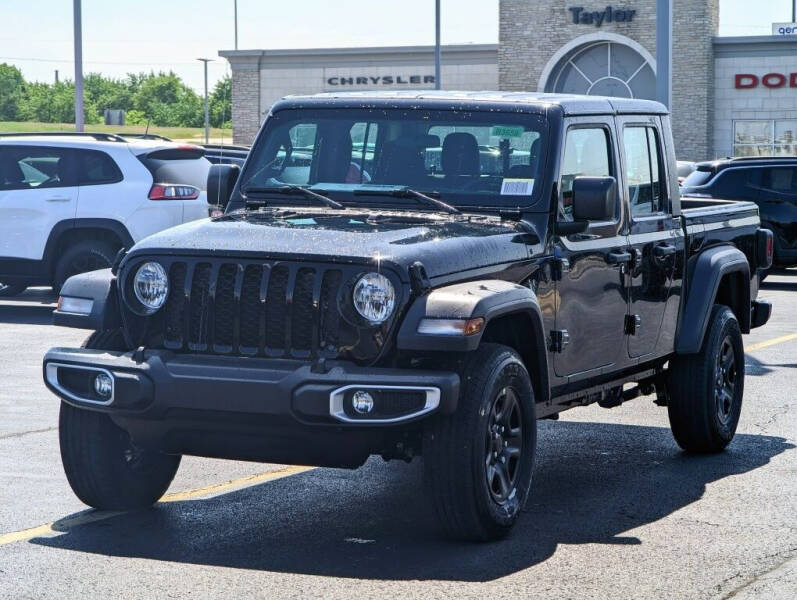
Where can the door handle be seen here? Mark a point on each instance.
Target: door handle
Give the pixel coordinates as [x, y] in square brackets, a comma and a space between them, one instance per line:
[58, 199]
[663, 251]
[616, 258]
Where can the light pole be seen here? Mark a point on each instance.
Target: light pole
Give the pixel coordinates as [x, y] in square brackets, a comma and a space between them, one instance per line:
[78, 67]
[236, 23]
[437, 44]
[207, 112]
[664, 52]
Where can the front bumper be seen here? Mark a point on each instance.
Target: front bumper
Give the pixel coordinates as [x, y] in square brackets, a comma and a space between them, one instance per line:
[181, 403]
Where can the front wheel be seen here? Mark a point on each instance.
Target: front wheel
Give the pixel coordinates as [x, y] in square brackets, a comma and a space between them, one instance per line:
[104, 468]
[85, 256]
[706, 388]
[478, 462]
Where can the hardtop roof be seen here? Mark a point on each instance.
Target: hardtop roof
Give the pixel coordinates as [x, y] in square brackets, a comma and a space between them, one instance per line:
[571, 104]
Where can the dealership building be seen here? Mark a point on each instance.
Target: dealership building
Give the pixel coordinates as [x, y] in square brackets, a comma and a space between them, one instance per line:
[730, 95]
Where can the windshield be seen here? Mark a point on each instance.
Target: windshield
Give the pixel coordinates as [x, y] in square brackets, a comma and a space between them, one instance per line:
[465, 158]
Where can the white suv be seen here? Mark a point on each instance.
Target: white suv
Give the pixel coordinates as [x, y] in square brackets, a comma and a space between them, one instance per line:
[69, 202]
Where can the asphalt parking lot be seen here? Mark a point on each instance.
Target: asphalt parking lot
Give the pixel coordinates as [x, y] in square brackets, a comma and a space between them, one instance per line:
[618, 510]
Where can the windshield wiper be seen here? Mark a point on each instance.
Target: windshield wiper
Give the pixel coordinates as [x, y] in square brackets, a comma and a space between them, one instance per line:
[293, 189]
[405, 192]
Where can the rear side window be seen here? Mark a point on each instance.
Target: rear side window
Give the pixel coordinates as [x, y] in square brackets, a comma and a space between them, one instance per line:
[32, 167]
[587, 155]
[736, 184]
[96, 168]
[643, 172]
[186, 168]
[781, 180]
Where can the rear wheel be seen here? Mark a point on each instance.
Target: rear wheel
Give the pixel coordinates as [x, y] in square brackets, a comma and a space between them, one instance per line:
[9, 288]
[83, 257]
[706, 388]
[104, 468]
[478, 462]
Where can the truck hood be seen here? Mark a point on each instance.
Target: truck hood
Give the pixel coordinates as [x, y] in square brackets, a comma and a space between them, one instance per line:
[443, 243]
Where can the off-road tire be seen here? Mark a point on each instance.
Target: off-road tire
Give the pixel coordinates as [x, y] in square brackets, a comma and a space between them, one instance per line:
[88, 255]
[703, 414]
[103, 468]
[457, 447]
[11, 289]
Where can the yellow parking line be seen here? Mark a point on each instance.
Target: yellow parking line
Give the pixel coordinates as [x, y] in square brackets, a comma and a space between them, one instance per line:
[93, 516]
[772, 342]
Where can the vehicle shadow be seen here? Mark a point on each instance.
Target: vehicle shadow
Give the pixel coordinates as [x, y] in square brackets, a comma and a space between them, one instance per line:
[32, 314]
[33, 306]
[781, 285]
[593, 483]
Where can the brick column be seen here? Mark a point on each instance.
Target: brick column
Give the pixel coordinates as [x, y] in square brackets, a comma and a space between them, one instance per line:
[245, 98]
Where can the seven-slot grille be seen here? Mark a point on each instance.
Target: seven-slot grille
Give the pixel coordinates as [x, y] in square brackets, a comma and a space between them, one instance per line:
[256, 308]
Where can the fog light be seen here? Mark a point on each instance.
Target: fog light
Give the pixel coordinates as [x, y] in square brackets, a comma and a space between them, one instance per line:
[362, 402]
[103, 385]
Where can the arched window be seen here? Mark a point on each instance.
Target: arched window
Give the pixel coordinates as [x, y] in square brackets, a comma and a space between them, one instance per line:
[604, 68]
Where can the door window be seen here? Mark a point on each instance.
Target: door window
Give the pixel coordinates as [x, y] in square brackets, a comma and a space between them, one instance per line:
[643, 171]
[31, 167]
[586, 154]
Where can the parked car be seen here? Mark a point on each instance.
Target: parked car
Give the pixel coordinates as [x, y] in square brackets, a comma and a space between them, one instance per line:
[69, 202]
[685, 168]
[216, 153]
[770, 182]
[434, 312]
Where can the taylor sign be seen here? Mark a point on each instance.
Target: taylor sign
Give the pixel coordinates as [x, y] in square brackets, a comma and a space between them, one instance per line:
[748, 81]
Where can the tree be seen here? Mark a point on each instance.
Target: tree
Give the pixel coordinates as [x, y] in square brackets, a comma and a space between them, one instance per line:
[166, 100]
[221, 103]
[11, 88]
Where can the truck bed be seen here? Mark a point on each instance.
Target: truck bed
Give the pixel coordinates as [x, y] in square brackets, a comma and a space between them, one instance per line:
[707, 221]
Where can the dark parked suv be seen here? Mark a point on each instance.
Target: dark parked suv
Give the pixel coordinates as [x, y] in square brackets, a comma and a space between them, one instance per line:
[769, 182]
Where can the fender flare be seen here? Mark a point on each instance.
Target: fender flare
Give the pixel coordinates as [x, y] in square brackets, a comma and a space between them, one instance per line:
[709, 268]
[489, 299]
[99, 287]
[118, 229]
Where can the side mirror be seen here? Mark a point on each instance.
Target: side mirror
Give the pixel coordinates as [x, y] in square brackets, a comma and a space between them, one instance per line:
[594, 198]
[221, 181]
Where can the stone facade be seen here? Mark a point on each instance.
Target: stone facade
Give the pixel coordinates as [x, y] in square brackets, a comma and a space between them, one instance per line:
[534, 32]
[261, 77]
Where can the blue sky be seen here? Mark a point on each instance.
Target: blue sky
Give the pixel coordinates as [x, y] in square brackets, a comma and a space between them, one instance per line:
[120, 36]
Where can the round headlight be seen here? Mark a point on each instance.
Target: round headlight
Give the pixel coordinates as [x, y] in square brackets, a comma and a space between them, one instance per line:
[151, 286]
[374, 297]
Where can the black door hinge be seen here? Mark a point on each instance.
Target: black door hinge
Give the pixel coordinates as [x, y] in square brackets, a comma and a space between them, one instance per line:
[632, 324]
[559, 339]
[559, 266]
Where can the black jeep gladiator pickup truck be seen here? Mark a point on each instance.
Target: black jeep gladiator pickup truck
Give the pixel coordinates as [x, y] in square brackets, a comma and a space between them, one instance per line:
[414, 274]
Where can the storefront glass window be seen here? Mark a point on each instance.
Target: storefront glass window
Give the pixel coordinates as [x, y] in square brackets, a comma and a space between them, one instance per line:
[765, 137]
[604, 69]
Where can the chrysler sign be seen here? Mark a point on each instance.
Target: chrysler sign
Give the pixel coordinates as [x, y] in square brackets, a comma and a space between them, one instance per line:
[382, 80]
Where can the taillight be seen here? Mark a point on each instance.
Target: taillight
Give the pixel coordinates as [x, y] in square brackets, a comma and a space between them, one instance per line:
[170, 191]
[766, 248]
[215, 211]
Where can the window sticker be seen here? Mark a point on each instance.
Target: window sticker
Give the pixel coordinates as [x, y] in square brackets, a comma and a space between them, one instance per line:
[507, 131]
[517, 187]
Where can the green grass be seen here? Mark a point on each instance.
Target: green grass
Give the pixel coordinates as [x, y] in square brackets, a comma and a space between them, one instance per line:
[192, 134]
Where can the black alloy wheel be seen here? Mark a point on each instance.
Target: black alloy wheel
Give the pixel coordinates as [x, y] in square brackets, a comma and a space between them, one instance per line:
[504, 445]
[725, 381]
